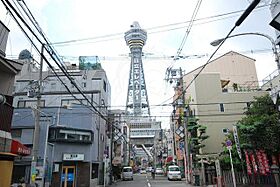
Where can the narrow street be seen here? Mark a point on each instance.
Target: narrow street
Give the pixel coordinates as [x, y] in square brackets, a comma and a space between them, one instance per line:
[145, 180]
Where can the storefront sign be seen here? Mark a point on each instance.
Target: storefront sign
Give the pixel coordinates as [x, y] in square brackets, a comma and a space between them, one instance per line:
[19, 149]
[73, 157]
[117, 160]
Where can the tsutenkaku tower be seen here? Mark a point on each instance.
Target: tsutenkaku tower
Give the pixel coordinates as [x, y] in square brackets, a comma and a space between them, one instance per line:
[137, 103]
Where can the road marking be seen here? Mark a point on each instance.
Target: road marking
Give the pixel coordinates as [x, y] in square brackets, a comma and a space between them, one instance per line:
[149, 185]
[146, 176]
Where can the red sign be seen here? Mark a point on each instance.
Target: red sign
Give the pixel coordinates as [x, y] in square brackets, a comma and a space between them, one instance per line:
[19, 149]
[260, 163]
[169, 159]
[249, 169]
[265, 161]
[255, 167]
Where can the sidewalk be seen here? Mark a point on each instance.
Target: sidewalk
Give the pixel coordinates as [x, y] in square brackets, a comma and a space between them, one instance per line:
[110, 185]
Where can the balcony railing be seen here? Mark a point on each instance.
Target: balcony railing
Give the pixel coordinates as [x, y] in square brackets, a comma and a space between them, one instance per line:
[241, 89]
[270, 77]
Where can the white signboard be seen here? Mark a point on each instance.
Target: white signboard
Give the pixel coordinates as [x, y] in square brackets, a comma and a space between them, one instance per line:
[73, 157]
[218, 168]
[236, 139]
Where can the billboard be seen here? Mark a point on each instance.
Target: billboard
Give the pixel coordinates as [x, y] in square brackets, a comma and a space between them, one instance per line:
[89, 63]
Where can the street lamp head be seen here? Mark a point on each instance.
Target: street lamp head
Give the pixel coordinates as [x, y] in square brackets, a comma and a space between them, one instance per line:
[216, 42]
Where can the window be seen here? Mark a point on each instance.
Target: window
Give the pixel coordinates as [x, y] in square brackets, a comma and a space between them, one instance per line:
[70, 135]
[16, 133]
[21, 104]
[84, 84]
[222, 109]
[104, 86]
[85, 138]
[51, 134]
[29, 103]
[72, 101]
[95, 170]
[61, 135]
[124, 130]
[127, 169]
[248, 104]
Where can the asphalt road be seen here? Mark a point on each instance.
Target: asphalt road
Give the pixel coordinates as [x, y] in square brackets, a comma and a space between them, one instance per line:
[145, 180]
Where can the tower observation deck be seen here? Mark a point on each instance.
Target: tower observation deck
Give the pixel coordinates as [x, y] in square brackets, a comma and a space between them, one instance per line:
[137, 103]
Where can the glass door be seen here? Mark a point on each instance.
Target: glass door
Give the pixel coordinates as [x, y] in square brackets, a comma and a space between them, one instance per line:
[68, 176]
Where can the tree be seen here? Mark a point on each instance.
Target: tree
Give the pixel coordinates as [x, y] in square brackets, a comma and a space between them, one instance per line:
[260, 128]
[197, 135]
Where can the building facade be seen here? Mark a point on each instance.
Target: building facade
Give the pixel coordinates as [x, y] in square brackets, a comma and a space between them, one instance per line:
[118, 143]
[224, 110]
[9, 148]
[72, 135]
[220, 95]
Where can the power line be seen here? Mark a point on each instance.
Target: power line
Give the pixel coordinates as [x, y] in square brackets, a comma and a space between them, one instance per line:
[159, 105]
[191, 104]
[152, 116]
[189, 28]
[50, 50]
[54, 53]
[119, 35]
[237, 23]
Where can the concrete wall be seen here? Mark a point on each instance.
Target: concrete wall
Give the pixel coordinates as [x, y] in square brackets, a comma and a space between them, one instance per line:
[231, 66]
[6, 83]
[208, 91]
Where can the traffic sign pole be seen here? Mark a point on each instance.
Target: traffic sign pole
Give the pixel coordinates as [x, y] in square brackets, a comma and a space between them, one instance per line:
[229, 144]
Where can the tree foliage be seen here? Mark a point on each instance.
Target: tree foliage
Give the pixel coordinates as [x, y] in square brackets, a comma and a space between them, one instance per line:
[260, 128]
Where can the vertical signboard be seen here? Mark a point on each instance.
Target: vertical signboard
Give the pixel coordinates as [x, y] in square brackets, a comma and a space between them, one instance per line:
[236, 139]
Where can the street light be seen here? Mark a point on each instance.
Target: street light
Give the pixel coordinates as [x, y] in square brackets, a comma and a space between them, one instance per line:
[274, 48]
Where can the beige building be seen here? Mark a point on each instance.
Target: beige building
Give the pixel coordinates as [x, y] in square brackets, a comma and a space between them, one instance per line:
[219, 96]
[271, 84]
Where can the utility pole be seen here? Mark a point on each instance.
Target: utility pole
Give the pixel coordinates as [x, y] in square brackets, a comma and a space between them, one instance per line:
[111, 130]
[36, 134]
[185, 123]
[186, 152]
[229, 144]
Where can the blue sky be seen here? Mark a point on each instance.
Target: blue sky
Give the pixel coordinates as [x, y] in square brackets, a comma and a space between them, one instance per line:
[64, 20]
